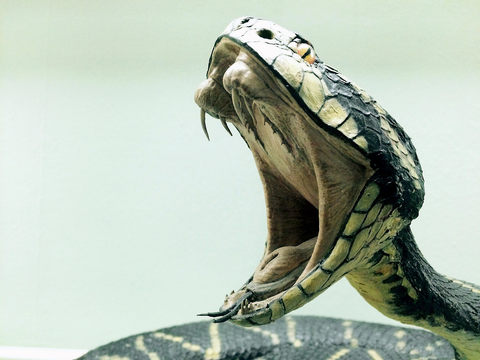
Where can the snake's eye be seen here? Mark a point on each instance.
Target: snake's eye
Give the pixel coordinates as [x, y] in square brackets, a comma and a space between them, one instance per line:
[304, 50]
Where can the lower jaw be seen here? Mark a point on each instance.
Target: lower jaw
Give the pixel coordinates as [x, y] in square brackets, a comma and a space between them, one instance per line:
[262, 294]
[264, 291]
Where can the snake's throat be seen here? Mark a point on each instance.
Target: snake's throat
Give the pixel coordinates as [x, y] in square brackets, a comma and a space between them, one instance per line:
[307, 175]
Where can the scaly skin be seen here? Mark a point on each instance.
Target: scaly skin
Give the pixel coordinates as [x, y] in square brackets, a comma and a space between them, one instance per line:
[342, 183]
[304, 337]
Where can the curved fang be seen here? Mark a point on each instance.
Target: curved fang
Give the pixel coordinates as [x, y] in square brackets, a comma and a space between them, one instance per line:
[227, 314]
[204, 123]
[225, 126]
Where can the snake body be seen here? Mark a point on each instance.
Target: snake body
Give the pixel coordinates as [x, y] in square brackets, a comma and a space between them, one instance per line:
[298, 337]
[342, 184]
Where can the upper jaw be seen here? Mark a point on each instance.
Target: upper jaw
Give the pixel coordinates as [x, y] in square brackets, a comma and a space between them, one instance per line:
[243, 34]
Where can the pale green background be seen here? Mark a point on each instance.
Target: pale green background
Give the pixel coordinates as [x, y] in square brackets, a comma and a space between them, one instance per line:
[116, 214]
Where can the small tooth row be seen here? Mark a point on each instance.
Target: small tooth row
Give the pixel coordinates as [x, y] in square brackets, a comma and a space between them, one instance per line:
[245, 307]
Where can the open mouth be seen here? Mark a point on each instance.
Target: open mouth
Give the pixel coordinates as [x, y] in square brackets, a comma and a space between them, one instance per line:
[312, 179]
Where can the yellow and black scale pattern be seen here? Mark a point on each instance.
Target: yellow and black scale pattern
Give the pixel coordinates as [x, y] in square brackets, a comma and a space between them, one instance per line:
[290, 338]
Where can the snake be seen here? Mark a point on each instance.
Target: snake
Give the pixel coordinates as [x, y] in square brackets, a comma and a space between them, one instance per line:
[342, 184]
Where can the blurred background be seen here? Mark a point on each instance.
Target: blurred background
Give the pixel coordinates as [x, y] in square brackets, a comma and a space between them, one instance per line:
[117, 216]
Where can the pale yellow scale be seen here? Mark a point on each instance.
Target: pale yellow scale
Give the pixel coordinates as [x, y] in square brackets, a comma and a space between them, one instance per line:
[349, 128]
[467, 286]
[339, 354]
[291, 333]
[273, 336]
[362, 142]
[374, 355]
[114, 357]
[316, 281]
[311, 92]
[348, 334]
[333, 113]
[291, 70]
[400, 334]
[140, 346]
[213, 352]
[185, 344]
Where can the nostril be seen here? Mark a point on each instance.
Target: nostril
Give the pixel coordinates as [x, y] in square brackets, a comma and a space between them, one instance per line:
[266, 34]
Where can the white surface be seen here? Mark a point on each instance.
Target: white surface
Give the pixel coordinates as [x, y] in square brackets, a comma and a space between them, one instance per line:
[118, 217]
[14, 353]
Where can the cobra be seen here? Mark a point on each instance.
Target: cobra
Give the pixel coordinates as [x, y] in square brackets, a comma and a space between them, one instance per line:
[342, 184]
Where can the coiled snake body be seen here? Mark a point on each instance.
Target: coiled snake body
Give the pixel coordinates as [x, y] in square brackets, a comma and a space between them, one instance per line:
[342, 183]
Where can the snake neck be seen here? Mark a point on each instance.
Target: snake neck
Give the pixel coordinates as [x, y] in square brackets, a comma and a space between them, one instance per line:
[402, 285]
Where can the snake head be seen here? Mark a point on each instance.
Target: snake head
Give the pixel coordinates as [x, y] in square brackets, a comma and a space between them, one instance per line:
[341, 177]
